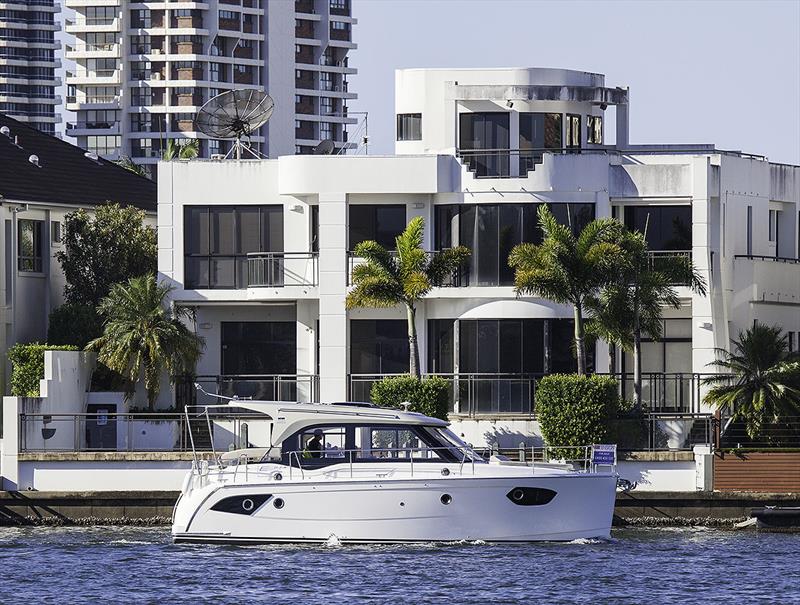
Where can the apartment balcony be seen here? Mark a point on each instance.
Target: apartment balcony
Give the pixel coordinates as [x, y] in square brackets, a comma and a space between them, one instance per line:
[304, 29]
[341, 8]
[93, 102]
[243, 77]
[282, 269]
[305, 106]
[767, 280]
[230, 25]
[343, 35]
[96, 78]
[189, 22]
[304, 6]
[92, 24]
[304, 55]
[188, 48]
[305, 81]
[92, 127]
[183, 125]
[188, 73]
[244, 52]
[458, 279]
[306, 131]
[271, 387]
[187, 100]
[93, 51]
[82, 3]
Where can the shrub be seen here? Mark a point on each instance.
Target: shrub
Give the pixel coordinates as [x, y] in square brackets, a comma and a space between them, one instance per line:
[74, 324]
[427, 396]
[577, 410]
[27, 362]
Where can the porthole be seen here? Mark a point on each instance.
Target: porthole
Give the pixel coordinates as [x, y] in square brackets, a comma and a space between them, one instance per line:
[278, 503]
[247, 504]
[445, 472]
[277, 476]
[517, 495]
[446, 499]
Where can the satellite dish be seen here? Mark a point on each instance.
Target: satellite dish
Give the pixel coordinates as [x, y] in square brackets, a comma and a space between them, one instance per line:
[325, 147]
[235, 114]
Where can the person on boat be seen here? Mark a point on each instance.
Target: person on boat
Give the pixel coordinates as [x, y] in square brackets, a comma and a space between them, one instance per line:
[314, 445]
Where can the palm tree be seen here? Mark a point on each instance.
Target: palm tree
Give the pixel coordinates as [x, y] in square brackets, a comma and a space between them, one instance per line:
[128, 164]
[387, 279]
[142, 337]
[763, 379]
[568, 269]
[632, 303]
[188, 150]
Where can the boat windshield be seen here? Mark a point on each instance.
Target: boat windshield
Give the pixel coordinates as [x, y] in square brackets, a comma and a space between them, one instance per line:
[450, 438]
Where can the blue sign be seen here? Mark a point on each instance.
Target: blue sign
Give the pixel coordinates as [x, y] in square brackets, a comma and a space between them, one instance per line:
[604, 454]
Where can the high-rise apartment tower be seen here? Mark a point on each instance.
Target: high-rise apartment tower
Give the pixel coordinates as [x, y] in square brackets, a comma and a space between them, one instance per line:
[143, 69]
[28, 63]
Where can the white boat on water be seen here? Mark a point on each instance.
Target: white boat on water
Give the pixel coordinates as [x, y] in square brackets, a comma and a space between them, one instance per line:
[355, 473]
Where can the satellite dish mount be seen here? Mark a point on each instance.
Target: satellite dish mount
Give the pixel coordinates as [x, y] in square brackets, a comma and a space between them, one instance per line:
[236, 114]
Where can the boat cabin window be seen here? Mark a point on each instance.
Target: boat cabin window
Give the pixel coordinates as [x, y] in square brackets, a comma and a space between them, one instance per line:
[325, 444]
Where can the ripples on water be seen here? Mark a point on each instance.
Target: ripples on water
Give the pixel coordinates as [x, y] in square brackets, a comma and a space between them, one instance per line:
[122, 565]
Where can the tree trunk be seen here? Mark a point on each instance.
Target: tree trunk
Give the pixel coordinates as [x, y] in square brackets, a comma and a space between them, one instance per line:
[580, 345]
[413, 346]
[637, 361]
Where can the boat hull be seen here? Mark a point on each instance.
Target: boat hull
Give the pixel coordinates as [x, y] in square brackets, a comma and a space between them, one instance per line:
[413, 510]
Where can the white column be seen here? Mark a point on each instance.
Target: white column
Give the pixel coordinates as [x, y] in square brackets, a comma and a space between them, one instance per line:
[332, 291]
[307, 313]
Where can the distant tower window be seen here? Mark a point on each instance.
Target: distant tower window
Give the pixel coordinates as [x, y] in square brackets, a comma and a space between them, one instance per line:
[749, 231]
[409, 127]
[594, 130]
[773, 225]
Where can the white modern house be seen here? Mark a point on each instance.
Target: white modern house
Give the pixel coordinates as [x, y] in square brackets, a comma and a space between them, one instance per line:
[261, 250]
[143, 69]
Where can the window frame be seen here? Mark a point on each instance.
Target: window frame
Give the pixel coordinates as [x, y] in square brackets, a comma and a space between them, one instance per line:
[408, 127]
[34, 262]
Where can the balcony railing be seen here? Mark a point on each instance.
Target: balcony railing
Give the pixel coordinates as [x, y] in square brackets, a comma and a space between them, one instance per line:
[264, 387]
[475, 393]
[279, 269]
[457, 279]
[665, 259]
[775, 259]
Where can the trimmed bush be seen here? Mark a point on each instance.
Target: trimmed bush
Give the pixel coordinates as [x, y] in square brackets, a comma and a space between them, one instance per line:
[27, 362]
[427, 396]
[74, 324]
[577, 410]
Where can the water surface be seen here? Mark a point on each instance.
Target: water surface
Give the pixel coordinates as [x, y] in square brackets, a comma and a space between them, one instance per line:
[126, 564]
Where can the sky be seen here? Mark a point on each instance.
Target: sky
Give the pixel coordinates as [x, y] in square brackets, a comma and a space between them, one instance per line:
[719, 72]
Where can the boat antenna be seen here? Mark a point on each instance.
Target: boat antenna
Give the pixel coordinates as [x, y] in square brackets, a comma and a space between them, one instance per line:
[225, 397]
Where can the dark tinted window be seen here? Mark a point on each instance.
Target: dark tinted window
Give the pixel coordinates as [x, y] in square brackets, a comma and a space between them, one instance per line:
[440, 345]
[488, 130]
[381, 223]
[259, 347]
[665, 227]
[378, 346]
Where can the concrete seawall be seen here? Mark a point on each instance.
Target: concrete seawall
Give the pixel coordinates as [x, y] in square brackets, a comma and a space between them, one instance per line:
[151, 508]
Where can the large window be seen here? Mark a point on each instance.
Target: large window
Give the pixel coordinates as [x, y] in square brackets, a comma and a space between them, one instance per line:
[665, 227]
[409, 127]
[594, 130]
[573, 134]
[487, 131]
[378, 346]
[259, 347]
[490, 231]
[381, 223]
[29, 245]
[217, 240]
[537, 132]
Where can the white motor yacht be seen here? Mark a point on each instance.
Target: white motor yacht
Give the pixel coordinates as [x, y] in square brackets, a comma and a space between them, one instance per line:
[354, 473]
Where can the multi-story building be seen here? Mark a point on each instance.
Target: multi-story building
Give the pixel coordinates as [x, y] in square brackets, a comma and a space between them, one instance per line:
[143, 69]
[42, 179]
[28, 62]
[262, 249]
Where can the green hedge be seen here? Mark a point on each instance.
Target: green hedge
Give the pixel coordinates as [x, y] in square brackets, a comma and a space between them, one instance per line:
[27, 361]
[74, 324]
[577, 410]
[427, 396]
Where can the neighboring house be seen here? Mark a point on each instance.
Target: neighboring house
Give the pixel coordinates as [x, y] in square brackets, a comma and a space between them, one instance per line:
[41, 180]
[142, 71]
[261, 249]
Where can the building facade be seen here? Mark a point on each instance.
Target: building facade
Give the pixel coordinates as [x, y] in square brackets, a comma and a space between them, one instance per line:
[28, 62]
[42, 179]
[143, 69]
[262, 250]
